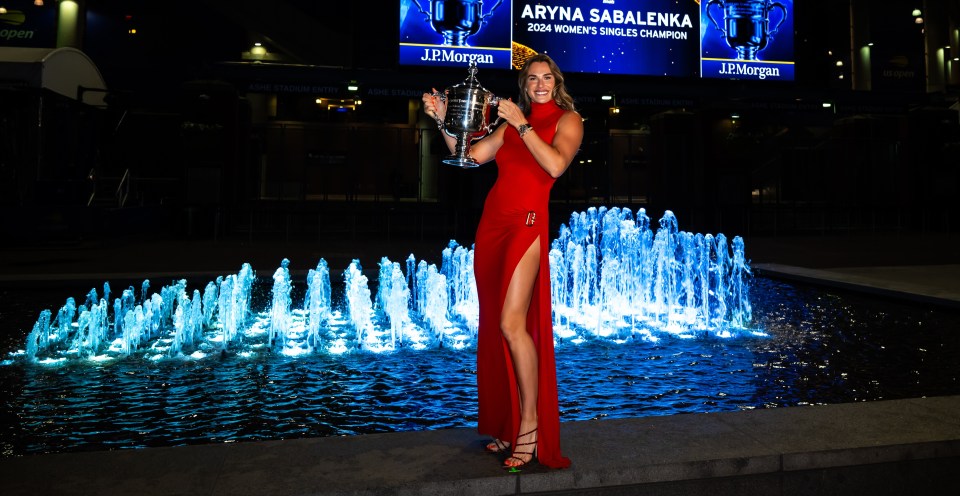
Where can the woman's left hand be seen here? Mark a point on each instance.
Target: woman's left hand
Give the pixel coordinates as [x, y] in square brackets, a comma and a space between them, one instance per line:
[511, 113]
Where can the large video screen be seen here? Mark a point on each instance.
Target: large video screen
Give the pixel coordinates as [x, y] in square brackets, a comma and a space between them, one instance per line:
[731, 39]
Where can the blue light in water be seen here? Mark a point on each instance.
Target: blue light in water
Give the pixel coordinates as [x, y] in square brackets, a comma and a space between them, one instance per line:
[612, 278]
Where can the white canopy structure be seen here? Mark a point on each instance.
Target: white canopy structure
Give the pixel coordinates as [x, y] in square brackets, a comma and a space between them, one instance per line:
[61, 70]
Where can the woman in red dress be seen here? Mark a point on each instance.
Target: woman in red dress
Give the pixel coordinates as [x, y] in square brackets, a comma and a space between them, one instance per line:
[516, 370]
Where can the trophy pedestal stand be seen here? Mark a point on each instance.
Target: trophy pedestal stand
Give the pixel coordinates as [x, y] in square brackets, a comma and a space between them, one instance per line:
[461, 154]
[746, 52]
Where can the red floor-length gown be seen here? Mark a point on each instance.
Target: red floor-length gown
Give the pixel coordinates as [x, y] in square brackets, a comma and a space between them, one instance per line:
[521, 191]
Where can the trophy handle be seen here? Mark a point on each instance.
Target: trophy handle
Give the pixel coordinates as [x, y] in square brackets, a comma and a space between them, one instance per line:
[494, 101]
[424, 12]
[783, 10]
[714, 21]
[483, 17]
[443, 98]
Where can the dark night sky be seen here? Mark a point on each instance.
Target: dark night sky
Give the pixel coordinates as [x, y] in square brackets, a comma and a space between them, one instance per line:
[179, 40]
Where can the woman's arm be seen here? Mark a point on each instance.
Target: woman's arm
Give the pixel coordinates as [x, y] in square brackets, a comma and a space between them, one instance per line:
[556, 157]
[436, 109]
[485, 149]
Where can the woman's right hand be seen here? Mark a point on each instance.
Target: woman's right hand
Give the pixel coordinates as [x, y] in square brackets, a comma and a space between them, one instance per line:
[434, 106]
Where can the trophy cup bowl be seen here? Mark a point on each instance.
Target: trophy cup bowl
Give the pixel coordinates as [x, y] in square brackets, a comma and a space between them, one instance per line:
[746, 24]
[468, 117]
[456, 20]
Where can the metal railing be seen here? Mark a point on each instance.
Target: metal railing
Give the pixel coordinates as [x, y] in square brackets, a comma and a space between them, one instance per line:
[123, 189]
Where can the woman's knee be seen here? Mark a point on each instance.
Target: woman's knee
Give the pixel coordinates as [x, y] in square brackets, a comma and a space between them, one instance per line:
[512, 327]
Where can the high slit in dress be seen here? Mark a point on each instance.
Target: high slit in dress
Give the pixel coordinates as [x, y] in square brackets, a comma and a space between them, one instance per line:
[515, 215]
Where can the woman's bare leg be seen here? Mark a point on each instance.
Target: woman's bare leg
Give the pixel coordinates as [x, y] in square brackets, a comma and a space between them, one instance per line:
[513, 325]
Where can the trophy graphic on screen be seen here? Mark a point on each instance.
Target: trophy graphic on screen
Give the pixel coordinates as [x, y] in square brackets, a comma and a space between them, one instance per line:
[456, 20]
[746, 24]
[468, 116]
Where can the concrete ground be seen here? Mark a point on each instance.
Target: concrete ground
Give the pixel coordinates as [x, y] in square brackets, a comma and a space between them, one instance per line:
[909, 446]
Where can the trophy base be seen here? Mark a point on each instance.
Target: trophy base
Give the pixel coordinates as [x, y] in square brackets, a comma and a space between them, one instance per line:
[462, 162]
[746, 52]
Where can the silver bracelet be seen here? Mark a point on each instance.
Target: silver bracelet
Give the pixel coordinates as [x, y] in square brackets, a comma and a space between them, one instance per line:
[523, 128]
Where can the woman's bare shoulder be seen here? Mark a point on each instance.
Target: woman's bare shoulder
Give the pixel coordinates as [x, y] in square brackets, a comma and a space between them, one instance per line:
[571, 116]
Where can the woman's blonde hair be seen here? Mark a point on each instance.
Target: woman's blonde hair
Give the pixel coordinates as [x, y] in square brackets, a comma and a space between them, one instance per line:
[560, 95]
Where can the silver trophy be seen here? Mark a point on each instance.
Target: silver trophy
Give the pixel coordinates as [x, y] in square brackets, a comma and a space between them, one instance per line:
[456, 20]
[746, 24]
[468, 116]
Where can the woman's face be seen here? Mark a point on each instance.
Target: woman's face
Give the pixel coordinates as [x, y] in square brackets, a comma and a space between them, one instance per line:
[540, 83]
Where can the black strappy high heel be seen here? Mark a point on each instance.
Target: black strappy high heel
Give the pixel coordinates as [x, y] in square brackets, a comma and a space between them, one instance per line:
[518, 444]
[497, 446]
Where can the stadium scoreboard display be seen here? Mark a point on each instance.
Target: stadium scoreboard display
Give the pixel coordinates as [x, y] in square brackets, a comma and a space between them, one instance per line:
[731, 39]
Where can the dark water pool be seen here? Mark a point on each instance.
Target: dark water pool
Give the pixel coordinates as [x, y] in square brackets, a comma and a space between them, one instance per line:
[823, 347]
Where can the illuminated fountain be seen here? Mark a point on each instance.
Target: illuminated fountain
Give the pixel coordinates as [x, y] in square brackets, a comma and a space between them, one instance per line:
[649, 320]
[612, 278]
